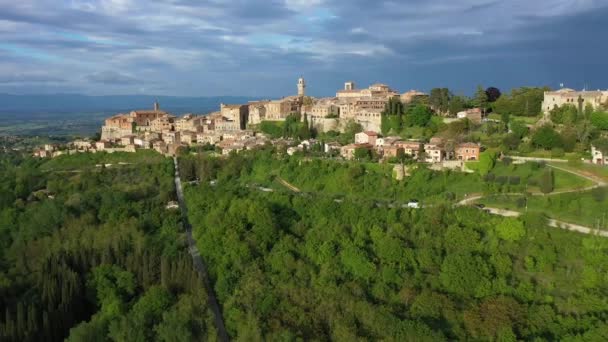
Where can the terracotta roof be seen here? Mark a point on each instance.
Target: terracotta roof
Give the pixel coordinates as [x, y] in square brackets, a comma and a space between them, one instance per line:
[468, 144]
[372, 133]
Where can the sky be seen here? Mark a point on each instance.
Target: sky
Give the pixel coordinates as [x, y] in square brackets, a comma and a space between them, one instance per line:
[259, 48]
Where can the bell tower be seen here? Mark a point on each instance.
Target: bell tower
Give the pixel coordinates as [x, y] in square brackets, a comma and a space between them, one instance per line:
[301, 87]
[156, 106]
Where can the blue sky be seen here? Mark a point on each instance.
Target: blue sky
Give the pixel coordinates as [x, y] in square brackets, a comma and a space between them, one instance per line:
[260, 48]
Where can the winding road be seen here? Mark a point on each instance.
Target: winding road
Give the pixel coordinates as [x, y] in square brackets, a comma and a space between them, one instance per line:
[197, 260]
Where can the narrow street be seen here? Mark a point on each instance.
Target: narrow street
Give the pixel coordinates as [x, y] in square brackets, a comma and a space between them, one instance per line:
[197, 260]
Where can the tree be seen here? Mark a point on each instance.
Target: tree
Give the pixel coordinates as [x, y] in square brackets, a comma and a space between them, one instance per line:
[547, 138]
[523, 101]
[511, 229]
[420, 116]
[481, 99]
[600, 120]
[464, 274]
[493, 94]
[566, 114]
[439, 99]
[546, 181]
[487, 159]
[458, 104]
[362, 153]
[304, 132]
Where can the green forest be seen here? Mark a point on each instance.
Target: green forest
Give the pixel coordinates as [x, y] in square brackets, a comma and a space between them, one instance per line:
[304, 266]
[92, 254]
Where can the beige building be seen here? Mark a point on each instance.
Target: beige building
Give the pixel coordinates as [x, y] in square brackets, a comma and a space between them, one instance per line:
[434, 153]
[236, 113]
[187, 137]
[162, 124]
[410, 95]
[208, 138]
[324, 107]
[189, 122]
[257, 112]
[375, 90]
[278, 110]
[564, 96]
[348, 151]
[473, 114]
[598, 157]
[171, 137]
[366, 137]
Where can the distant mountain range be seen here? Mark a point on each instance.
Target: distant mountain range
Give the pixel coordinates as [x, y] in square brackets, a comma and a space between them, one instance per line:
[85, 103]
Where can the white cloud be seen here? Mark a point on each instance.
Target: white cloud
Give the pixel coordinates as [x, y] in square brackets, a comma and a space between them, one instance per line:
[302, 5]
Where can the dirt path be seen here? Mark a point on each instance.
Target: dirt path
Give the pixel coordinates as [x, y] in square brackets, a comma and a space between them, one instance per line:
[288, 185]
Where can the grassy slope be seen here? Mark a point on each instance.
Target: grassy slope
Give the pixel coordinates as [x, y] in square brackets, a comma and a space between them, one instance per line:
[580, 208]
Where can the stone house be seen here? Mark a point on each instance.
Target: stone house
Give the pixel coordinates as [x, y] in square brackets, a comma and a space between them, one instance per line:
[598, 157]
[467, 151]
[434, 153]
[474, 115]
[348, 151]
[367, 137]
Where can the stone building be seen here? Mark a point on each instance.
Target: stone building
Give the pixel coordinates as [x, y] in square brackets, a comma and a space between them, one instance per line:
[257, 112]
[434, 153]
[237, 113]
[467, 151]
[410, 95]
[324, 108]
[475, 115]
[366, 137]
[598, 157]
[123, 124]
[301, 87]
[564, 96]
[162, 124]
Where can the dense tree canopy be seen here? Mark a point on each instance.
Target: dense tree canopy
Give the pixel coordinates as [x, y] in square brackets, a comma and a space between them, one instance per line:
[307, 266]
[521, 102]
[91, 254]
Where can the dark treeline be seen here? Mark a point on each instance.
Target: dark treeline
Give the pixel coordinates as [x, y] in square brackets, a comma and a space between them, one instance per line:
[289, 266]
[95, 256]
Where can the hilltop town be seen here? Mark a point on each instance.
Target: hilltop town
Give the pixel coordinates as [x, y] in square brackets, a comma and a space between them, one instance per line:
[237, 127]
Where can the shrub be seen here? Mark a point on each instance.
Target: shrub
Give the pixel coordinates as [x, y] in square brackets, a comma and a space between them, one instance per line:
[546, 181]
[514, 180]
[507, 161]
[599, 194]
[489, 177]
[502, 180]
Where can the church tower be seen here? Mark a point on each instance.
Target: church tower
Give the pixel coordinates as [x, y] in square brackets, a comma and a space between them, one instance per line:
[156, 106]
[301, 87]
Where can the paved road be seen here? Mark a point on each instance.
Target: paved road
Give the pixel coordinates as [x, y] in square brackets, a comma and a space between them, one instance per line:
[199, 265]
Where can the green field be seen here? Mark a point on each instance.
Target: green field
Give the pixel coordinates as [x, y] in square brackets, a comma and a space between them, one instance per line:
[588, 208]
[529, 174]
[596, 171]
[529, 120]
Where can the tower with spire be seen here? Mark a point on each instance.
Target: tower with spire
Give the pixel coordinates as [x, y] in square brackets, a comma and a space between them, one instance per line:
[156, 106]
[301, 87]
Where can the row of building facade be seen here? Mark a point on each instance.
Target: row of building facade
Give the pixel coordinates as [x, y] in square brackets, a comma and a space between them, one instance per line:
[437, 150]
